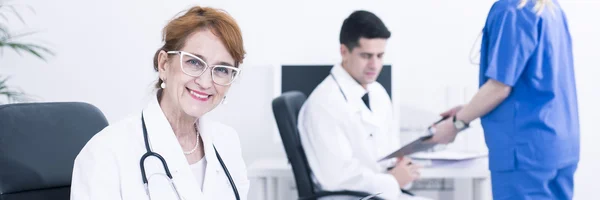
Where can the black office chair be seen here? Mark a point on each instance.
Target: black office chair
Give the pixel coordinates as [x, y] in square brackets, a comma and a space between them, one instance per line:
[286, 108]
[38, 146]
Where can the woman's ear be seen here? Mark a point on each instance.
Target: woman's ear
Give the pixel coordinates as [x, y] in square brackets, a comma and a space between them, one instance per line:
[163, 64]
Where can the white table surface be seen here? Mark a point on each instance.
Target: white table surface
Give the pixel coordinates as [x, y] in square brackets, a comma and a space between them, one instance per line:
[475, 168]
[470, 174]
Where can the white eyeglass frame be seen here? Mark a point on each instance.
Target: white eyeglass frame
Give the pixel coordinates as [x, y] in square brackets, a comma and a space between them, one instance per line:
[181, 53]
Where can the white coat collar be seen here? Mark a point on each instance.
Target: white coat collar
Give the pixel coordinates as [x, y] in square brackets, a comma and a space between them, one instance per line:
[354, 93]
[352, 89]
[163, 141]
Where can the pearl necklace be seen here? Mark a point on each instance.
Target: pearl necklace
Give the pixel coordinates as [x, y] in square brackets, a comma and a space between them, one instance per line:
[197, 143]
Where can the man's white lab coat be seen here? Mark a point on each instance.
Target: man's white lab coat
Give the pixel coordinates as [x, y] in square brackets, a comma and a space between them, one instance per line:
[343, 139]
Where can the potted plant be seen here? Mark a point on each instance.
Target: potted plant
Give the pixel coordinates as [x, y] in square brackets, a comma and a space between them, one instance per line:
[13, 42]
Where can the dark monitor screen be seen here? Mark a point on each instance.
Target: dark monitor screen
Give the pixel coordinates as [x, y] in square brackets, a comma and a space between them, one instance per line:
[305, 78]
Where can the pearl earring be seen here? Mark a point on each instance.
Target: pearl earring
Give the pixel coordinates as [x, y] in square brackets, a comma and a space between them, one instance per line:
[163, 85]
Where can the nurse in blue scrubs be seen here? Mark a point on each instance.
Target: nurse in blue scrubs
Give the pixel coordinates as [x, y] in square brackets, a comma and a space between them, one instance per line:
[527, 102]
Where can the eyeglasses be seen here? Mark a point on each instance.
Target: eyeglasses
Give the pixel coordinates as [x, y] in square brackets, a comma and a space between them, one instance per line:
[194, 66]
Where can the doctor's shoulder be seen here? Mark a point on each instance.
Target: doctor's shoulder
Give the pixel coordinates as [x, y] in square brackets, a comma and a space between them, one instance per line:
[326, 95]
[226, 140]
[106, 140]
[513, 7]
[223, 135]
[98, 165]
[503, 5]
[376, 87]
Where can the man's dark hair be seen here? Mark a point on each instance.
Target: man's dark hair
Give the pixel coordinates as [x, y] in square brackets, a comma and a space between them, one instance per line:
[362, 24]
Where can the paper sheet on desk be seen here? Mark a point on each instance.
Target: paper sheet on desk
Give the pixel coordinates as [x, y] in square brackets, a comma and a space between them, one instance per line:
[450, 155]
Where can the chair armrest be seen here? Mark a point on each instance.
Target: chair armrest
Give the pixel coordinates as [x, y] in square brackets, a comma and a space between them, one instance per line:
[339, 193]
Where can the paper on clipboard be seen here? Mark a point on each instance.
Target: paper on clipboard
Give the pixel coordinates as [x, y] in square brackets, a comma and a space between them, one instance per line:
[418, 145]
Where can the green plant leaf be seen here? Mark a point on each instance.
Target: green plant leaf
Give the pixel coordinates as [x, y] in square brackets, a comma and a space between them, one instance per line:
[13, 9]
[3, 16]
[16, 13]
[21, 35]
[3, 32]
[34, 49]
[7, 41]
[3, 82]
[15, 96]
[11, 94]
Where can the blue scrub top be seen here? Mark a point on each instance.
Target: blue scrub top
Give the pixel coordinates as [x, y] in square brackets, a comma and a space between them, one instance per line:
[537, 126]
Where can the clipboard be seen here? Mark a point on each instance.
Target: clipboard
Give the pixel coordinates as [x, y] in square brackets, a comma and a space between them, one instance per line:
[418, 145]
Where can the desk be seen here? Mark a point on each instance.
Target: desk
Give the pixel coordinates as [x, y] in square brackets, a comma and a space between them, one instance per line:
[471, 178]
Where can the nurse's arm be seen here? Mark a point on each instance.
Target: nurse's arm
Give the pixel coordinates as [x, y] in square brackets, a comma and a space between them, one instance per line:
[489, 96]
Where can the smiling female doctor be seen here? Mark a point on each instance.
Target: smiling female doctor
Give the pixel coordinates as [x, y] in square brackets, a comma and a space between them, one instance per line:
[527, 102]
[169, 151]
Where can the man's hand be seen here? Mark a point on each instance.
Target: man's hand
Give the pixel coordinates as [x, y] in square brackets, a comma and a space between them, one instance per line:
[445, 132]
[452, 111]
[405, 172]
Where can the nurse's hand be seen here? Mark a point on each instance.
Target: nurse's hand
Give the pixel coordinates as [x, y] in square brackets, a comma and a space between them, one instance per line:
[452, 111]
[445, 132]
[405, 172]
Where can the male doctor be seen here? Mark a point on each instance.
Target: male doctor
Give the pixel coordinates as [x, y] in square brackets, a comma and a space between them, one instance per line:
[346, 124]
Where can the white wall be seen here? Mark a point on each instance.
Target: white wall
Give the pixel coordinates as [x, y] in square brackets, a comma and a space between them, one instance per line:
[105, 48]
[585, 31]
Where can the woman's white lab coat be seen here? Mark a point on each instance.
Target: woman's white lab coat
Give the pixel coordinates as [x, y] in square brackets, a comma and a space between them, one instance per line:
[108, 167]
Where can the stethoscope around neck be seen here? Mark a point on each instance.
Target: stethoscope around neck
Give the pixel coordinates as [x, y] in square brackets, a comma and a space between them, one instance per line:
[339, 87]
[167, 174]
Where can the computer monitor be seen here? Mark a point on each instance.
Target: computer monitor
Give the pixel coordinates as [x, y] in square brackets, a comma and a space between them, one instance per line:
[305, 78]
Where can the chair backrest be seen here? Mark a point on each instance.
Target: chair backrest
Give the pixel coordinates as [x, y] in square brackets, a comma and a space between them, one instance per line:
[286, 108]
[38, 146]
[305, 78]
